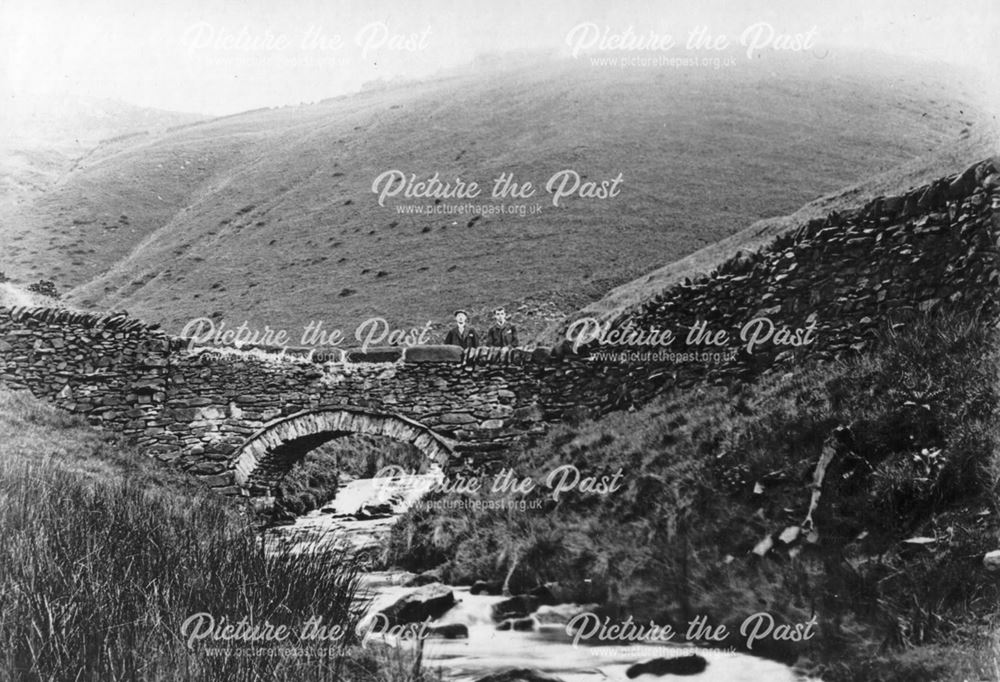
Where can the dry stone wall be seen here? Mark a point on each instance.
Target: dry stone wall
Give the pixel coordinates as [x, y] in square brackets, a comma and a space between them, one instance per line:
[111, 368]
[935, 248]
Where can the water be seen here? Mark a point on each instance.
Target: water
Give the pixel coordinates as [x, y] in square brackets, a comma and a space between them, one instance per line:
[548, 648]
[313, 531]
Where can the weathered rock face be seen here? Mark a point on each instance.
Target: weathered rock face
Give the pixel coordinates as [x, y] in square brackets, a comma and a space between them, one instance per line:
[936, 248]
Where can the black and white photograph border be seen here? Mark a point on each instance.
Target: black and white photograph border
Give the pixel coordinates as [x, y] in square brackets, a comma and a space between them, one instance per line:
[527, 342]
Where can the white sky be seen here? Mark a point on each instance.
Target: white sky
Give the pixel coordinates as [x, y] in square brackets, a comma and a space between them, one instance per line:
[163, 55]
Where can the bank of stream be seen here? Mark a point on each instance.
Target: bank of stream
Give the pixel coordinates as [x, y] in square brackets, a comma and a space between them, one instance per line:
[361, 516]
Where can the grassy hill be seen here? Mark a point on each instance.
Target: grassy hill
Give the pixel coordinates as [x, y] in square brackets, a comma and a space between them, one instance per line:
[619, 301]
[268, 216]
[892, 566]
[46, 136]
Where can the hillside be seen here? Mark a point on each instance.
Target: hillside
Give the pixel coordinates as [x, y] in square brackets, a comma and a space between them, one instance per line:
[269, 216]
[625, 298]
[47, 135]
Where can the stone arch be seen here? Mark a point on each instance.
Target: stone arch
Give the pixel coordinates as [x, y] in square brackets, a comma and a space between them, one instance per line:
[268, 454]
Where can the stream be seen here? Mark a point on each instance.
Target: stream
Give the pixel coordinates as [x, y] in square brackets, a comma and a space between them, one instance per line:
[547, 648]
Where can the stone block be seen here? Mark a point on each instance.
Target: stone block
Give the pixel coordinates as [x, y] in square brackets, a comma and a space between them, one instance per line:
[377, 354]
[457, 418]
[541, 355]
[432, 354]
[217, 480]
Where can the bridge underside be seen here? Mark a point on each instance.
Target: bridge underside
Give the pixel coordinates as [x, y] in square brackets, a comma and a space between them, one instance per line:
[261, 462]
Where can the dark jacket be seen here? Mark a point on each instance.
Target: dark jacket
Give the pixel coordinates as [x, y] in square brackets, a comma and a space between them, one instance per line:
[469, 340]
[501, 336]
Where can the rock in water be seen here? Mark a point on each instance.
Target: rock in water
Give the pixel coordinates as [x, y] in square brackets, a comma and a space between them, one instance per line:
[518, 624]
[484, 587]
[561, 613]
[430, 601]
[425, 578]
[519, 675]
[518, 606]
[449, 631]
[682, 665]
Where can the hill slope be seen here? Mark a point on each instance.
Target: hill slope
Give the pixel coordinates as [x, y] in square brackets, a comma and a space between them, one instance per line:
[269, 216]
[46, 135]
[623, 299]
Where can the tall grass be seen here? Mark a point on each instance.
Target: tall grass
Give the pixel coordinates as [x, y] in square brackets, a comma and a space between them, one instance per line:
[101, 566]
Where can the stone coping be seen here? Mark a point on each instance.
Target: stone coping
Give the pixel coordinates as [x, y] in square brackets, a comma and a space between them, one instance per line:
[113, 321]
[433, 353]
[382, 354]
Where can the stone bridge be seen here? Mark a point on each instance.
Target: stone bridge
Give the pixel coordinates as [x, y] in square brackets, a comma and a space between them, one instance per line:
[274, 448]
[239, 419]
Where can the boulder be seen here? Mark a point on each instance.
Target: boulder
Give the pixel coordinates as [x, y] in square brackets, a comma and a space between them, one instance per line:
[494, 588]
[517, 624]
[544, 594]
[449, 631]
[560, 614]
[515, 607]
[519, 675]
[427, 602]
[425, 578]
[692, 664]
[561, 592]
[992, 560]
[783, 651]
[374, 511]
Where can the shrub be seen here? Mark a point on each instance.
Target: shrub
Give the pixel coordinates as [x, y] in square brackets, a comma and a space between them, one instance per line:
[44, 287]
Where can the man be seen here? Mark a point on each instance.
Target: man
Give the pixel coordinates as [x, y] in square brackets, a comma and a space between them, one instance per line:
[461, 334]
[503, 332]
